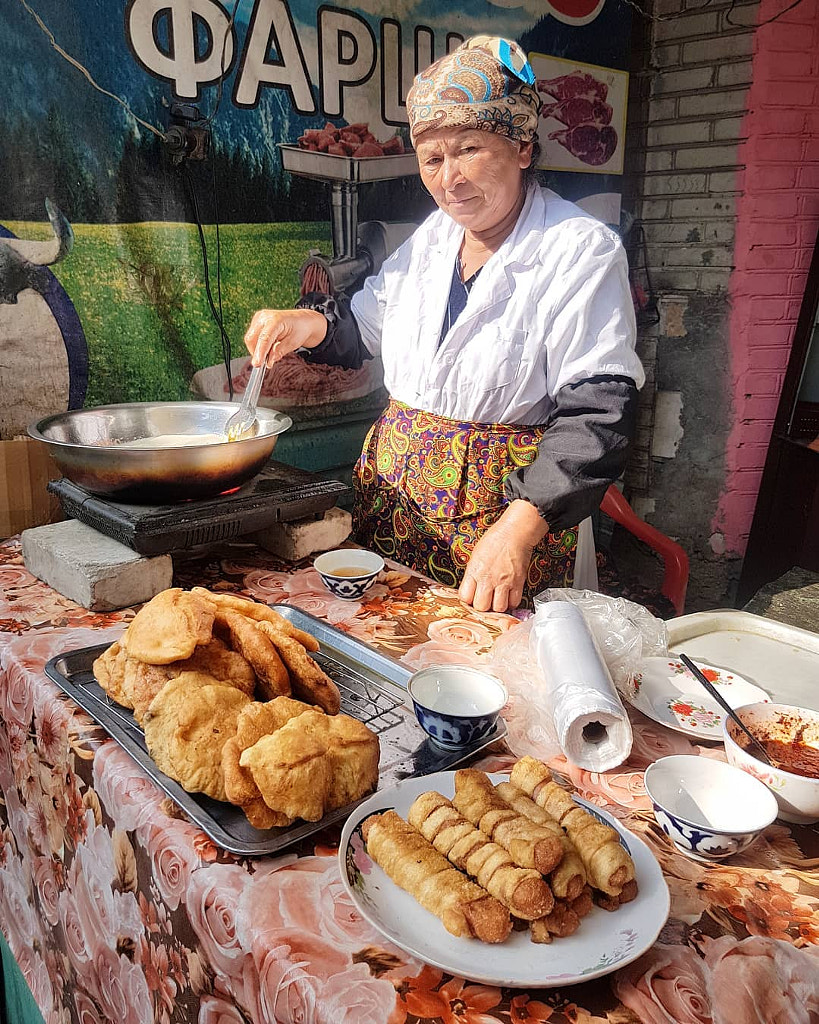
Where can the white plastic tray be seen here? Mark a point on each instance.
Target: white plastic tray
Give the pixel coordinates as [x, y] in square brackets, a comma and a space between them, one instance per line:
[783, 660]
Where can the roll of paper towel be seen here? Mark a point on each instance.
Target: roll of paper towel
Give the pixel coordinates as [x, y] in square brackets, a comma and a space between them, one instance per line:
[590, 721]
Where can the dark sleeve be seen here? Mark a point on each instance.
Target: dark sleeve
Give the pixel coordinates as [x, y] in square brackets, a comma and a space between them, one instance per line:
[342, 345]
[583, 450]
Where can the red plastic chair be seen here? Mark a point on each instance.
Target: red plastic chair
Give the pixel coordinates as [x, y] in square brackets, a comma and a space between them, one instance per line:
[675, 560]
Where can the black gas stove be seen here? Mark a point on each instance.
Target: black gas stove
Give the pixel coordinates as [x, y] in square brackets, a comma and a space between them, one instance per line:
[279, 494]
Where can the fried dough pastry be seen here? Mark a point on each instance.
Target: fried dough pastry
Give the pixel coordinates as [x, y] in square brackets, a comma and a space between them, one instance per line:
[530, 845]
[255, 647]
[569, 877]
[314, 764]
[522, 890]
[254, 721]
[241, 790]
[169, 627]
[186, 727]
[309, 683]
[143, 682]
[464, 908]
[608, 865]
[109, 671]
[259, 612]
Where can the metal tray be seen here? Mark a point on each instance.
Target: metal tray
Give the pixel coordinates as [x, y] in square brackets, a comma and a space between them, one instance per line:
[373, 690]
[783, 660]
[329, 166]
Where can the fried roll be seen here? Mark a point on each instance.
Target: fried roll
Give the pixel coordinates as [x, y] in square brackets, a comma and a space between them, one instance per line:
[522, 890]
[529, 845]
[608, 865]
[465, 909]
[569, 877]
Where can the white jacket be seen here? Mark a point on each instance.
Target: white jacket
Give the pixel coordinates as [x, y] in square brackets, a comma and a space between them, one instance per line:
[550, 307]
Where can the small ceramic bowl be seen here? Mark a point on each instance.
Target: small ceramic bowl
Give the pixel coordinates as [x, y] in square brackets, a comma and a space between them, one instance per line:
[707, 808]
[797, 795]
[456, 705]
[348, 572]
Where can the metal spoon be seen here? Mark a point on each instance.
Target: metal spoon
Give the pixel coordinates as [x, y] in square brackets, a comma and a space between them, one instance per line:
[245, 416]
[697, 674]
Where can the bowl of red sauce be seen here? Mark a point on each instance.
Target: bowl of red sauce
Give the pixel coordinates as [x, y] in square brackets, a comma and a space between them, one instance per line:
[790, 736]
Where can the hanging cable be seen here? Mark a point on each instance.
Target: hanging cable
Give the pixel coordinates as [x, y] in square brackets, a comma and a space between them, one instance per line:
[86, 73]
[222, 69]
[216, 314]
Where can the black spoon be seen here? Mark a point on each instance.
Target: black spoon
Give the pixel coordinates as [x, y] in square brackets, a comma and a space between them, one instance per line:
[697, 674]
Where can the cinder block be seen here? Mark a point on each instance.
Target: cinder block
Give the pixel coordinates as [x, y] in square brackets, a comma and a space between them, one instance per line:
[686, 27]
[683, 81]
[304, 537]
[707, 156]
[714, 102]
[737, 73]
[677, 134]
[729, 128]
[95, 571]
[718, 48]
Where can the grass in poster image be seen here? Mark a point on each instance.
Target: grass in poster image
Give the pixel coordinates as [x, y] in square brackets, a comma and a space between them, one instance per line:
[140, 294]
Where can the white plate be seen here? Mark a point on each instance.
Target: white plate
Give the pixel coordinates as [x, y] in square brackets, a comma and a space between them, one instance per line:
[666, 692]
[603, 943]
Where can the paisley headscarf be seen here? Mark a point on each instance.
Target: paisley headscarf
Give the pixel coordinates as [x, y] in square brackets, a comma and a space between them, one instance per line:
[487, 83]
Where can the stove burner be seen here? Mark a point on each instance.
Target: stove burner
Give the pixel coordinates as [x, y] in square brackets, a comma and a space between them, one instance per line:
[279, 493]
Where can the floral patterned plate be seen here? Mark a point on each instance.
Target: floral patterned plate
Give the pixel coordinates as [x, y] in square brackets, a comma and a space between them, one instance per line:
[666, 692]
[603, 943]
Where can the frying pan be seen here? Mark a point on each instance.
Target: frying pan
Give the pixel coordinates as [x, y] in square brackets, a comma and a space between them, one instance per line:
[87, 444]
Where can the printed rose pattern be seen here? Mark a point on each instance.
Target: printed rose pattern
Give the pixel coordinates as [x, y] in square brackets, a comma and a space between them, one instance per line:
[118, 911]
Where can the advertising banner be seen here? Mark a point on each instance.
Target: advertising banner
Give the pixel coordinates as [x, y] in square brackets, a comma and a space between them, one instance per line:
[145, 213]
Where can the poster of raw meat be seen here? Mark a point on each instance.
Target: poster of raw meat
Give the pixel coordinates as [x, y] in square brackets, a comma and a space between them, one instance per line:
[583, 120]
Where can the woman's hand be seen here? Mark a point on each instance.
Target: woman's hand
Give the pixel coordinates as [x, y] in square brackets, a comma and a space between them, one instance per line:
[275, 333]
[496, 573]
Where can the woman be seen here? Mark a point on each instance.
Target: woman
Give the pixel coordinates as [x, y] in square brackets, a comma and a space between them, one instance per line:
[506, 331]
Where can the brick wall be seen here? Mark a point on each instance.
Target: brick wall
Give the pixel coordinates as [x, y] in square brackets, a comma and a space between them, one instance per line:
[723, 173]
[777, 221]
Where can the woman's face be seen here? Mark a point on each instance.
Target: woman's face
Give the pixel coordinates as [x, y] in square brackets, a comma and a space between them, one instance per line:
[474, 176]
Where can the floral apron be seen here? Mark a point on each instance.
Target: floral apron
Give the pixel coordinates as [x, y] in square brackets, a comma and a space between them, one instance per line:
[428, 487]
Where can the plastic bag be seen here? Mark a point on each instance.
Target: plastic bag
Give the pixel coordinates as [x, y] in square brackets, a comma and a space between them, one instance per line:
[625, 632]
[591, 724]
[527, 715]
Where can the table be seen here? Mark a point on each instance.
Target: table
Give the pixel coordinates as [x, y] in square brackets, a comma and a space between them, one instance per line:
[116, 909]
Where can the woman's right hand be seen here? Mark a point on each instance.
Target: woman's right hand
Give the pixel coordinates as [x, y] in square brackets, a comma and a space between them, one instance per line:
[274, 333]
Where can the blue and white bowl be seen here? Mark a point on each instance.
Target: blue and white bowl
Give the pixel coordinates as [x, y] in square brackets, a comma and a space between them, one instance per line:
[456, 705]
[334, 568]
[709, 809]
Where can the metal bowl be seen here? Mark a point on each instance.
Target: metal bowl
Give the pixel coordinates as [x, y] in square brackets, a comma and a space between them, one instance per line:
[88, 447]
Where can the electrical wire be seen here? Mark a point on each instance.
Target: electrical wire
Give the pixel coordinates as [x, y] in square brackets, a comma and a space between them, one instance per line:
[767, 21]
[221, 83]
[216, 314]
[690, 10]
[86, 73]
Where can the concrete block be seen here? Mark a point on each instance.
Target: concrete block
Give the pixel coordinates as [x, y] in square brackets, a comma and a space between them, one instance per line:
[707, 156]
[713, 102]
[718, 48]
[304, 537]
[95, 571]
[729, 128]
[686, 27]
[673, 184]
[737, 73]
[683, 81]
[678, 133]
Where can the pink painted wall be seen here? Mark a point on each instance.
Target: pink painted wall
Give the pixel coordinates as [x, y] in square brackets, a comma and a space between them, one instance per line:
[777, 221]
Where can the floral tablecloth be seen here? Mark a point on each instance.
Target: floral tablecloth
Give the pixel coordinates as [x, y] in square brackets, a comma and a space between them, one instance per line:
[117, 909]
